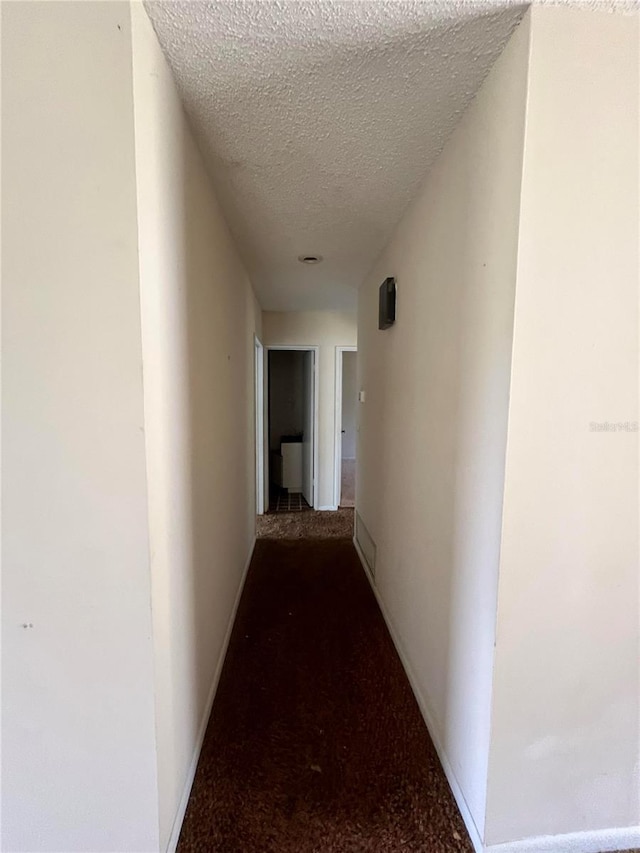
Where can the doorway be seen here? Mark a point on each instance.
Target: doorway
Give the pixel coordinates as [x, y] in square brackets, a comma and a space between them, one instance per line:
[258, 374]
[346, 426]
[291, 463]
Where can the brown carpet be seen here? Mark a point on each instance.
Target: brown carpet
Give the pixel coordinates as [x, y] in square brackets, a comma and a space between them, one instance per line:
[316, 743]
[306, 525]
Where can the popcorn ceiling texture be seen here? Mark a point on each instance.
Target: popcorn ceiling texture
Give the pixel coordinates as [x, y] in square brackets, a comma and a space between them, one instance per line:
[319, 120]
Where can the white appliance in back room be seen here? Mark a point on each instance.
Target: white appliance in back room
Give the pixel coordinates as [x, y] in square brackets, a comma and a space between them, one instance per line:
[291, 421]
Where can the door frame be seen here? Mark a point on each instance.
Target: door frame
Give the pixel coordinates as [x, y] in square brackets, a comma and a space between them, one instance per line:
[258, 379]
[316, 396]
[337, 441]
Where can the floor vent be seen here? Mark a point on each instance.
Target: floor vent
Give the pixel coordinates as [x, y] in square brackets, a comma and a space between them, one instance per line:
[367, 546]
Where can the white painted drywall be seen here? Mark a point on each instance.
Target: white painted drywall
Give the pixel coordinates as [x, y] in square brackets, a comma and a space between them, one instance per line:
[349, 404]
[199, 315]
[78, 747]
[286, 392]
[564, 749]
[325, 329]
[432, 429]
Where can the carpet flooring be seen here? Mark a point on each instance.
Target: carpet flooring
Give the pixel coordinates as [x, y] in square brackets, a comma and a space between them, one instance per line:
[306, 525]
[315, 742]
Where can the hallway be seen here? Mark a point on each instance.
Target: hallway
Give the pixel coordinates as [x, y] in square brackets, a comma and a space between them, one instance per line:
[315, 742]
[382, 256]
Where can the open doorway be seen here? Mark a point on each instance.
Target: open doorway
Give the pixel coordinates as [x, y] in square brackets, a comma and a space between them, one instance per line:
[259, 424]
[346, 426]
[292, 428]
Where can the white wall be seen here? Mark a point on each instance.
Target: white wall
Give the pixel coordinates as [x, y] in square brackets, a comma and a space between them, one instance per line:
[78, 748]
[325, 329]
[199, 315]
[517, 309]
[349, 403]
[433, 427]
[128, 433]
[566, 718]
[286, 394]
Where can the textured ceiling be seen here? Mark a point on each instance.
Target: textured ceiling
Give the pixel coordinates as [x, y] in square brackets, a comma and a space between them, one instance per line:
[319, 120]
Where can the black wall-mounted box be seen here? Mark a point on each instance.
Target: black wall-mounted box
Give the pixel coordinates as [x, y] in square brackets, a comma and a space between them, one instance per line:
[387, 304]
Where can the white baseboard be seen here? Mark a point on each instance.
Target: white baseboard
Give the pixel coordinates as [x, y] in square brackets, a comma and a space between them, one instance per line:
[595, 841]
[182, 808]
[427, 715]
[327, 508]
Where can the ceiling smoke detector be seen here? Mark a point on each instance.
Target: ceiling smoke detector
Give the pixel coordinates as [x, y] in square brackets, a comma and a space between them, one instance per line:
[309, 259]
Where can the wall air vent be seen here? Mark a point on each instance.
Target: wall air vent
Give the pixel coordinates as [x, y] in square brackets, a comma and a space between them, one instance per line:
[367, 546]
